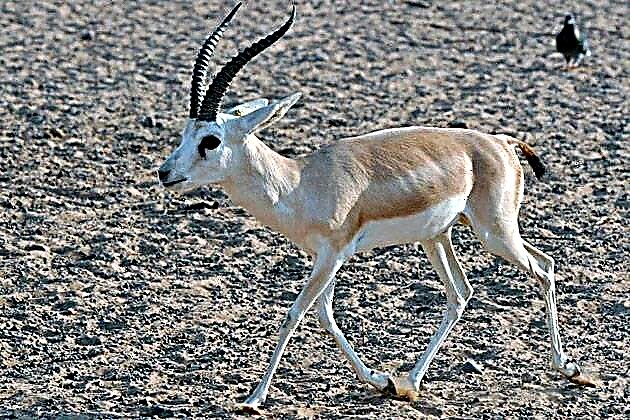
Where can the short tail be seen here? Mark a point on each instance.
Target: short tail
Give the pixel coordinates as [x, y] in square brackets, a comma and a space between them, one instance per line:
[531, 156]
[533, 159]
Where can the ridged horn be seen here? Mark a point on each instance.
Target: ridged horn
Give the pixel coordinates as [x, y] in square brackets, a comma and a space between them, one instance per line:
[220, 84]
[200, 70]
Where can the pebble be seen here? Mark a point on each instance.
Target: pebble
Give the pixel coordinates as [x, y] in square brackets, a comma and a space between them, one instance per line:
[147, 121]
[529, 377]
[87, 35]
[471, 366]
[202, 205]
[157, 411]
[457, 124]
[36, 247]
[85, 340]
[55, 133]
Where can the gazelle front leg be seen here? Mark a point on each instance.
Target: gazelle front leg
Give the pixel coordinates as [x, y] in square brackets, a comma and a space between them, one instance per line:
[458, 291]
[326, 264]
[375, 378]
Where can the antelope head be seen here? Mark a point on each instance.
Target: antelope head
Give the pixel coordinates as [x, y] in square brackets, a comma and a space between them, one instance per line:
[212, 142]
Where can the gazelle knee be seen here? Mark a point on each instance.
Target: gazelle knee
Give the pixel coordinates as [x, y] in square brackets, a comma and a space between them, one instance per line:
[291, 320]
[551, 265]
[544, 275]
[544, 261]
[467, 293]
[325, 319]
[455, 308]
[546, 281]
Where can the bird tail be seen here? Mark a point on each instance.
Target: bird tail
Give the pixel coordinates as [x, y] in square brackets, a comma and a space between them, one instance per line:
[585, 48]
[531, 156]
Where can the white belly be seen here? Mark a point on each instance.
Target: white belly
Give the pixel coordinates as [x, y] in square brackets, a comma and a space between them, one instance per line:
[415, 228]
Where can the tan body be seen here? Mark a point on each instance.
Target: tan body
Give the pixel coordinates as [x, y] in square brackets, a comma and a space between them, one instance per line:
[337, 191]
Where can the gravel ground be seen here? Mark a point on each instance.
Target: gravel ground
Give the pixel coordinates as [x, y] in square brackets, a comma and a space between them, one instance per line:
[118, 299]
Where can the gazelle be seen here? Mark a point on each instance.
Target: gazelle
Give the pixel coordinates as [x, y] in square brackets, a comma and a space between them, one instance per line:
[388, 187]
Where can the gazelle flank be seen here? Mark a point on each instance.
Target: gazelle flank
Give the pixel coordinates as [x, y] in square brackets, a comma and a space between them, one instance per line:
[393, 186]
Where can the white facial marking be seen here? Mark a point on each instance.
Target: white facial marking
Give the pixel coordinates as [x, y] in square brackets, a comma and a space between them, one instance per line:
[187, 168]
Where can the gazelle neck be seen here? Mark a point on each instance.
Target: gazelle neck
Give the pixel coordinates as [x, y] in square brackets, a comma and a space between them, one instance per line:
[265, 177]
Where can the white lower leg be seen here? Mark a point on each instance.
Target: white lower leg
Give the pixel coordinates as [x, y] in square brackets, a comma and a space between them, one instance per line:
[542, 267]
[375, 378]
[451, 316]
[559, 360]
[458, 292]
[326, 266]
[259, 395]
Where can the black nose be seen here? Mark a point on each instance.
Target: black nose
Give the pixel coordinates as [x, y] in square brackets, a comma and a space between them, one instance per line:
[163, 175]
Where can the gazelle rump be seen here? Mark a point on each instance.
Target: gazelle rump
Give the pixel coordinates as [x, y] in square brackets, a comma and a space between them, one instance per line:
[388, 187]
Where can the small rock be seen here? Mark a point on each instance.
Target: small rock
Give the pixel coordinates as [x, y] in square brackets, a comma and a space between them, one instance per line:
[54, 133]
[470, 366]
[134, 192]
[93, 352]
[528, 377]
[420, 4]
[87, 35]
[65, 305]
[85, 340]
[147, 121]
[157, 411]
[36, 247]
[457, 124]
[417, 113]
[288, 296]
[202, 205]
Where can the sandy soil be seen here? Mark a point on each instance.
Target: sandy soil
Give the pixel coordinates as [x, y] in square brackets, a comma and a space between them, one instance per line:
[118, 299]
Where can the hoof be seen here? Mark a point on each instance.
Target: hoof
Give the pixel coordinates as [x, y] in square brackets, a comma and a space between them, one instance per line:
[401, 388]
[251, 409]
[585, 380]
[583, 377]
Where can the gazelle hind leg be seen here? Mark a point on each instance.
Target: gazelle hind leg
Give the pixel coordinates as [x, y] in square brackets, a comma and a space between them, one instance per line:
[531, 260]
[544, 261]
[375, 378]
[458, 291]
[567, 367]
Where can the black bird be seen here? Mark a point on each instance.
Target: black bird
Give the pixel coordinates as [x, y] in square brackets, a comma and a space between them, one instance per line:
[571, 43]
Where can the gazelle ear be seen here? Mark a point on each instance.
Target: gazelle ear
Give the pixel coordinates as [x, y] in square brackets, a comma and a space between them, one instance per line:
[247, 107]
[265, 116]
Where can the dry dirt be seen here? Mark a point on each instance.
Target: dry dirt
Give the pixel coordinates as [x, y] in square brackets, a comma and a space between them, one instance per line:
[118, 299]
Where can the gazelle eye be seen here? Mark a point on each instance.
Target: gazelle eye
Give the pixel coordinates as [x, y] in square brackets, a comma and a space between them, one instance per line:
[208, 143]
